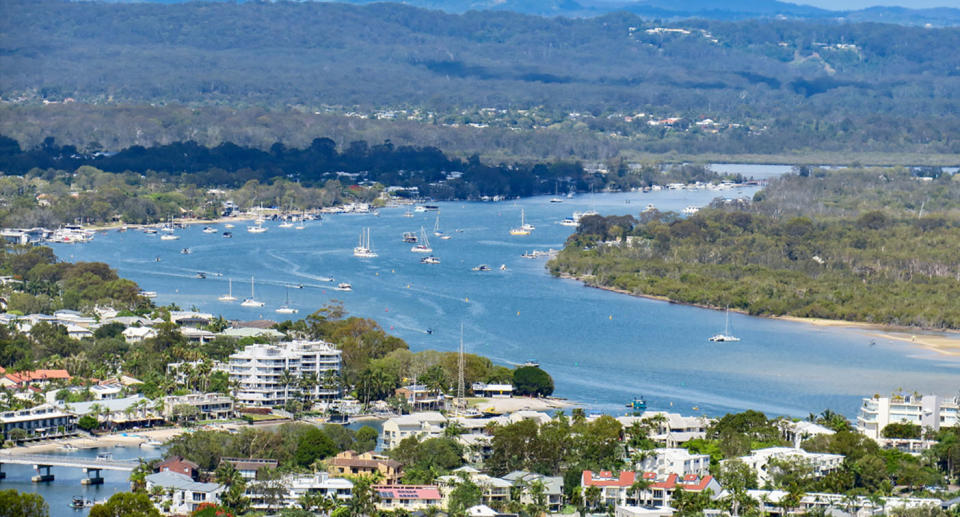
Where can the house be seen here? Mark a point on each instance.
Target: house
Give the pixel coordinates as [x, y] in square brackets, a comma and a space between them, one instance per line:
[493, 490]
[407, 497]
[422, 425]
[759, 461]
[179, 465]
[248, 467]
[367, 463]
[43, 421]
[191, 318]
[34, 378]
[295, 486]
[119, 414]
[552, 488]
[181, 494]
[665, 461]
[481, 389]
[837, 504]
[106, 391]
[617, 488]
[210, 406]
[138, 334]
[420, 398]
[797, 432]
[670, 429]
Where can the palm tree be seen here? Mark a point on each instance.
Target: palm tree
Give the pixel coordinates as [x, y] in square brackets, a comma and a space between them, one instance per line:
[285, 380]
[638, 487]
[591, 496]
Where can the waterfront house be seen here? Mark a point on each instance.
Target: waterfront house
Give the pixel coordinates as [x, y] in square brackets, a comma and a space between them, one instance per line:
[350, 463]
[138, 334]
[407, 497]
[210, 406]
[265, 373]
[422, 425]
[179, 465]
[106, 391]
[668, 460]
[248, 467]
[481, 389]
[420, 397]
[181, 494]
[120, 414]
[43, 421]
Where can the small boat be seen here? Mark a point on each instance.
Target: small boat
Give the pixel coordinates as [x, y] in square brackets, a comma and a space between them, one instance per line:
[482, 267]
[556, 200]
[424, 245]
[67, 447]
[344, 286]
[649, 208]
[568, 221]
[79, 502]
[524, 228]
[430, 260]
[185, 251]
[150, 231]
[638, 405]
[419, 208]
[151, 444]
[201, 275]
[285, 224]
[529, 255]
[409, 237]
[209, 229]
[408, 214]
[503, 267]
[105, 456]
[229, 297]
[252, 301]
[228, 225]
[169, 237]
[227, 235]
[725, 336]
[531, 364]
[436, 227]
[365, 248]
[148, 294]
[286, 308]
[259, 228]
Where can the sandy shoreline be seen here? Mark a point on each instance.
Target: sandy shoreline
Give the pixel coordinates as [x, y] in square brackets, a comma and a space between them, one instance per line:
[948, 344]
[510, 405]
[132, 439]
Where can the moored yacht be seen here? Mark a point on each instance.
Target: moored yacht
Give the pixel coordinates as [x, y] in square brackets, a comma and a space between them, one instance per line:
[423, 246]
[365, 247]
[430, 260]
[252, 301]
[229, 297]
[524, 228]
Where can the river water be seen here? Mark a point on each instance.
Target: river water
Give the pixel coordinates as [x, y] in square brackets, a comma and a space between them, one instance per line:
[601, 348]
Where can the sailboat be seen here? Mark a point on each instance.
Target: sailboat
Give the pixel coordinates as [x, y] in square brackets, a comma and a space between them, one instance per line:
[725, 336]
[365, 248]
[286, 308]
[229, 297]
[524, 228]
[259, 227]
[251, 302]
[436, 227]
[424, 245]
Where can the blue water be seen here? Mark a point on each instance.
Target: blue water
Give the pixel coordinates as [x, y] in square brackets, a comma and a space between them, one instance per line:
[601, 348]
[66, 484]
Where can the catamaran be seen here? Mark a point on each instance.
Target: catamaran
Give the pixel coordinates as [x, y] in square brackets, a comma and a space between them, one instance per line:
[424, 245]
[524, 228]
[229, 297]
[365, 248]
[286, 308]
[725, 336]
[251, 302]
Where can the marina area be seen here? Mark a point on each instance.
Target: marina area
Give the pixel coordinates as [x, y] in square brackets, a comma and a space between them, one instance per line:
[602, 348]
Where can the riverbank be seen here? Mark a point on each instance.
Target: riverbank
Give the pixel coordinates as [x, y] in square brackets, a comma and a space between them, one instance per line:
[131, 439]
[947, 343]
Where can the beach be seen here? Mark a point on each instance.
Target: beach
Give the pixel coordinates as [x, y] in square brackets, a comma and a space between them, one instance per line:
[512, 404]
[132, 439]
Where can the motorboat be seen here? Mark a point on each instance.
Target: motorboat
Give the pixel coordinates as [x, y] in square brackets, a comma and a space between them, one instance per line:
[200, 275]
[229, 297]
[209, 229]
[482, 267]
[227, 235]
[169, 237]
[556, 200]
[151, 444]
[185, 251]
[150, 230]
[409, 237]
[430, 260]
[344, 286]
[569, 221]
[252, 301]
[365, 248]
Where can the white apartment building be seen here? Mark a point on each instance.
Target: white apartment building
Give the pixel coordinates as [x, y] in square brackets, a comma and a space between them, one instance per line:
[926, 411]
[424, 425]
[679, 461]
[822, 463]
[210, 406]
[294, 488]
[260, 370]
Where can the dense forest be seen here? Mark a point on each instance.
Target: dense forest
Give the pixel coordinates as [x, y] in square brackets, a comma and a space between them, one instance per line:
[776, 84]
[849, 245]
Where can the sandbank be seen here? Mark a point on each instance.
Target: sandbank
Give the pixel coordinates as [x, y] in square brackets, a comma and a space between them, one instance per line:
[509, 405]
[131, 439]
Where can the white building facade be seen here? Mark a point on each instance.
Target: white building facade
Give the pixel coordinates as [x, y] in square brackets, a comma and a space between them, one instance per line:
[269, 375]
[931, 411]
[681, 461]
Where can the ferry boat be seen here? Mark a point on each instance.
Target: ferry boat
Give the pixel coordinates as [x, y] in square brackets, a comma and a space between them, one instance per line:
[252, 301]
[365, 248]
[430, 260]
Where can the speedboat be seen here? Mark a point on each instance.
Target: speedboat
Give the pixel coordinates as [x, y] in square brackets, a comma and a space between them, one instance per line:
[185, 251]
[430, 260]
[201, 275]
[169, 237]
[344, 286]
[209, 229]
[227, 235]
[409, 237]
[482, 267]
[568, 221]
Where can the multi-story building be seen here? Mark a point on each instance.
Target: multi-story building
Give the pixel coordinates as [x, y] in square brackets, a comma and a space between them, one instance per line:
[670, 429]
[270, 375]
[422, 425]
[351, 463]
[493, 490]
[181, 494]
[680, 461]
[822, 463]
[552, 488]
[931, 411]
[210, 406]
[43, 421]
[287, 491]
[407, 497]
[617, 488]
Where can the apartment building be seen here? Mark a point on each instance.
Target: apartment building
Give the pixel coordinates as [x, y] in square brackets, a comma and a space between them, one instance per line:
[822, 463]
[931, 411]
[270, 375]
[681, 461]
[210, 406]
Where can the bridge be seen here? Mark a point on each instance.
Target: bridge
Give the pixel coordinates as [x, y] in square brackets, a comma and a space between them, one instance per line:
[44, 462]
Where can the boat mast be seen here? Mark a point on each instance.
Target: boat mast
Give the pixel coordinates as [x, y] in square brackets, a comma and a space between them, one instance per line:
[460, 383]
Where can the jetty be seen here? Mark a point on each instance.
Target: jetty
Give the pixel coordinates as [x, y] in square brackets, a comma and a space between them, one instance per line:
[43, 463]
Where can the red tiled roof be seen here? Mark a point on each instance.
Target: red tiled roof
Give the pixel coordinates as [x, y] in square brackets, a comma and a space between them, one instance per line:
[423, 492]
[625, 479]
[37, 375]
[607, 478]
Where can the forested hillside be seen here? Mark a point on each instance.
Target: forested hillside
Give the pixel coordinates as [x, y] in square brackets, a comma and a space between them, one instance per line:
[773, 83]
[849, 245]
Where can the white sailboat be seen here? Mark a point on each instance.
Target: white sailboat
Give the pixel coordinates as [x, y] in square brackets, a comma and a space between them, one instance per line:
[258, 228]
[365, 248]
[524, 228]
[229, 297]
[286, 308]
[725, 335]
[252, 301]
[424, 245]
[436, 226]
